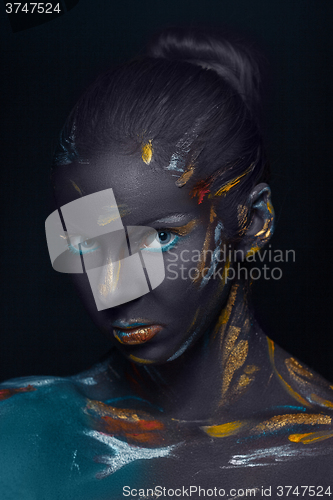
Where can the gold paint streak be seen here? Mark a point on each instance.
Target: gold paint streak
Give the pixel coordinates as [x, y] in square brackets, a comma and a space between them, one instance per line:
[111, 278]
[224, 189]
[224, 430]
[251, 369]
[185, 177]
[106, 219]
[280, 421]
[243, 382]
[118, 413]
[147, 152]
[294, 367]
[242, 212]
[292, 392]
[265, 227]
[310, 437]
[238, 388]
[321, 401]
[234, 353]
[270, 207]
[140, 360]
[252, 251]
[235, 361]
[212, 214]
[76, 187]
[184, 230]
[226, 312]
[231, 338]
[202, 262]
[266, 231]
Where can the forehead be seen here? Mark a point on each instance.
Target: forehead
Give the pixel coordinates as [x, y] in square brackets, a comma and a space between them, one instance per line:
[143, 192]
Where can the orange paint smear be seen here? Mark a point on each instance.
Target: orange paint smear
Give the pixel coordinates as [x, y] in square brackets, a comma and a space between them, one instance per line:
[8, 393]
[310, 437]
[141, 431]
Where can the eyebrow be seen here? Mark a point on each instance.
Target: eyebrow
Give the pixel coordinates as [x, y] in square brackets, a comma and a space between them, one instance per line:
[174, 218]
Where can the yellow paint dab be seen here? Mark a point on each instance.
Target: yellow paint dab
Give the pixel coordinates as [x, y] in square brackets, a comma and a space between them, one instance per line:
[270, 207]
[212, 214]
[252, 251]
[113, 214]
[147, 152]
[224, 189]
[139, 360]
[76, 187]
[310, 437]
[224, 430]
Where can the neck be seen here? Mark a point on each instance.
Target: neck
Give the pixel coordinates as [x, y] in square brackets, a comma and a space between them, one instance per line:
[213, 375]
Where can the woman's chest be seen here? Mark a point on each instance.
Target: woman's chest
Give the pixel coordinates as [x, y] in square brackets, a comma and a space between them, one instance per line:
[60, 445]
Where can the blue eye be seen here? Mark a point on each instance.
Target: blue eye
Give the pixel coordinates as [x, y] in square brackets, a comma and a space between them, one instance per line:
[164, 240]
[80, 246]
[164, 237]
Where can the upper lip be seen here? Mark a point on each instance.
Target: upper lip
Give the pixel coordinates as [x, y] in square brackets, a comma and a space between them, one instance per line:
[127, 325]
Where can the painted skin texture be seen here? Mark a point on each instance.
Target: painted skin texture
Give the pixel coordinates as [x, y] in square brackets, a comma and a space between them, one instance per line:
[229, 410]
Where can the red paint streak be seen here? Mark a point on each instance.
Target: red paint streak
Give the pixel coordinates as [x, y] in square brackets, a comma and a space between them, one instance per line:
[200, 190]
[151, 425]
[8, 393]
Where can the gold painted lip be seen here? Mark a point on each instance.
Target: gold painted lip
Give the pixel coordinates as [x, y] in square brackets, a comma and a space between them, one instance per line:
[137, 335]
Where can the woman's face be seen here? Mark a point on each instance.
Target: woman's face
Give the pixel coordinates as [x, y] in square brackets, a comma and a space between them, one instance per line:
[161, 324]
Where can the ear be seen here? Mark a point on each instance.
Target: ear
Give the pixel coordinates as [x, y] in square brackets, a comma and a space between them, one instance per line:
[261, 221]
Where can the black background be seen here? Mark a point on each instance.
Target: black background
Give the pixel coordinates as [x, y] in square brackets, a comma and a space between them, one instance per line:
[45, 68]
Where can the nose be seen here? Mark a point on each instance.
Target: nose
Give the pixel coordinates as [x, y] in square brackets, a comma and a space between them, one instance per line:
[109, 279]
[121, 279]
[127, 272]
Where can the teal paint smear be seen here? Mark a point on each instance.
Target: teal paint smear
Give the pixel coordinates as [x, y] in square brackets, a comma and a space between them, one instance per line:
[49, 449]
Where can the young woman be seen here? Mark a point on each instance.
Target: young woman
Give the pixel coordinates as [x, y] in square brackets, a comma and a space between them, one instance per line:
[160, 191]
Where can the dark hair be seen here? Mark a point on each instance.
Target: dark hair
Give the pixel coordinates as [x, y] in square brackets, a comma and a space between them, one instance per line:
[195, 98]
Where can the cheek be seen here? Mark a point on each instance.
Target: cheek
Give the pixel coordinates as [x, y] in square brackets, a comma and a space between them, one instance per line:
[200, 260]
[83, 290]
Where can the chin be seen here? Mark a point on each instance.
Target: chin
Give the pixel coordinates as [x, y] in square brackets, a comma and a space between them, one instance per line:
[147, 355]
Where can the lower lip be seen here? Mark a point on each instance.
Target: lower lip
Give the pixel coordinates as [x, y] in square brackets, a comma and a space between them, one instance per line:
[139, 335]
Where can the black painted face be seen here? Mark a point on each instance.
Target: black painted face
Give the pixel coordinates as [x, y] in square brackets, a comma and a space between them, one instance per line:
[162, 324]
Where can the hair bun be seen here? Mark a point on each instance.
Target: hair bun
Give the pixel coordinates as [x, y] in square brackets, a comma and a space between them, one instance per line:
[231, 61]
